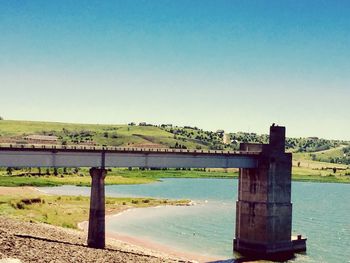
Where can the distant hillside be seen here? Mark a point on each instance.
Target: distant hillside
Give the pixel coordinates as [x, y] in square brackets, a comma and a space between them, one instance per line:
[339, 154]
[93, 134]
[166, 135]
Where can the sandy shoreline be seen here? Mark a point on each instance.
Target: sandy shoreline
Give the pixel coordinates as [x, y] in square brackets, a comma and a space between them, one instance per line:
[150, 244]
[20, 190]
[37, 242]
[128, 243]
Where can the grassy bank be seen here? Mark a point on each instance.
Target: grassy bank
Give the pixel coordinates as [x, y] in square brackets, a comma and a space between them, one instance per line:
[67, 211]
[125, 176]
[312, 173]
[50, 180]
[115, 176]
[319, 175]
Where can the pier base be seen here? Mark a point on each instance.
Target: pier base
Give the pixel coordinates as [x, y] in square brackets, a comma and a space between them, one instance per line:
[282, 252]
[96, 234]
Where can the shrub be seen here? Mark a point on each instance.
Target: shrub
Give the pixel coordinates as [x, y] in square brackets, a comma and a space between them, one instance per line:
[20, 205]
[29, 201]
[68, 225]
[110, 202]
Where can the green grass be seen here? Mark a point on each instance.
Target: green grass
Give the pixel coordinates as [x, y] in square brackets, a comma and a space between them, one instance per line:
[322, 156]
[115, 177]
[136, 176]
[111, 135]
[318, 175]
[11, 127]
[156, 174]
[71, 180]
[68, 211]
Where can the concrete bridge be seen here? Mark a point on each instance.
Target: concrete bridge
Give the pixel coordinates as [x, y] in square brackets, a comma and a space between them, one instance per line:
[264, 209]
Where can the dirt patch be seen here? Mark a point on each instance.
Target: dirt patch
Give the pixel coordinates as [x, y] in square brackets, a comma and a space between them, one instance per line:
[22, 191]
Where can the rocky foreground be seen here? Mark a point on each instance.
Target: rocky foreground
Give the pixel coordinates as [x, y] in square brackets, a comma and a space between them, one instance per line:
[34, 242]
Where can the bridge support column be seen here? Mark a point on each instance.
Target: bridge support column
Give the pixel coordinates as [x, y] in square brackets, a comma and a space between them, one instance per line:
[264, 209]
[96, 234]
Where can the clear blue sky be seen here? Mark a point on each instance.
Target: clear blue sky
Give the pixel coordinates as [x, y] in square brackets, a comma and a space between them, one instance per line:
[233, 65]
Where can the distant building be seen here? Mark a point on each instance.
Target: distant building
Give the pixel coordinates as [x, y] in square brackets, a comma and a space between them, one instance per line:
[190, 128]
[220, 132]
[234, 141]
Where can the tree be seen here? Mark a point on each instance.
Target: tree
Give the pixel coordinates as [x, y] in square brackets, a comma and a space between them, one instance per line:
[1, 118]
[9, 171]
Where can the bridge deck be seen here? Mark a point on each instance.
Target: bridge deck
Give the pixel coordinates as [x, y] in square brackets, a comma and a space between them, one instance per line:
[14, 155]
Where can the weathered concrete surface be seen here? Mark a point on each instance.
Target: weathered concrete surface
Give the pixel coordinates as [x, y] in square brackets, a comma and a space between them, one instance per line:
[264, 209]
[96, 234]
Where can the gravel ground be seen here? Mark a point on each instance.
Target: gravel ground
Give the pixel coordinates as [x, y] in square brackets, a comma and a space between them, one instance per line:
[34, 242]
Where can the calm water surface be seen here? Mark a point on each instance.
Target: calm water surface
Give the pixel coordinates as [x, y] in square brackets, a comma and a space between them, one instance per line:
[320, 211]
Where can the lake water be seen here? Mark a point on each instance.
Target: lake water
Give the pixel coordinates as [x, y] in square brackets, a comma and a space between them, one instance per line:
[320, 211]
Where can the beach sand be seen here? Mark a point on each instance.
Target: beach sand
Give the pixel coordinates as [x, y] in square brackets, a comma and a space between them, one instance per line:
[19, 191]
[36, 242]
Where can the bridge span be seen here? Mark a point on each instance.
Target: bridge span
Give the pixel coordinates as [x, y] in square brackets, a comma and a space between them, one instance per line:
[81, 156]
[263, 209]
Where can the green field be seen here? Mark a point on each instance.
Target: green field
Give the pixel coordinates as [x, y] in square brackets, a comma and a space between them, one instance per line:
[111, 135]
[323, 156]
[115, 176]
[68, 211]
[136, 176]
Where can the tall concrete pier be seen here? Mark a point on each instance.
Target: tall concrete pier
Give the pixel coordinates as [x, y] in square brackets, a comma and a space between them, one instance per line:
[264, 208]
[96, 234]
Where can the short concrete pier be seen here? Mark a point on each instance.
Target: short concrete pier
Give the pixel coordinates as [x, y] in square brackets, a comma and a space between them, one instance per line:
[96, 234]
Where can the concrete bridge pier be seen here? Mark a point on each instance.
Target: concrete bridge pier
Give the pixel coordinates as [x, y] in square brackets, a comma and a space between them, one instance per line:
[96, 234]
[264, 208]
